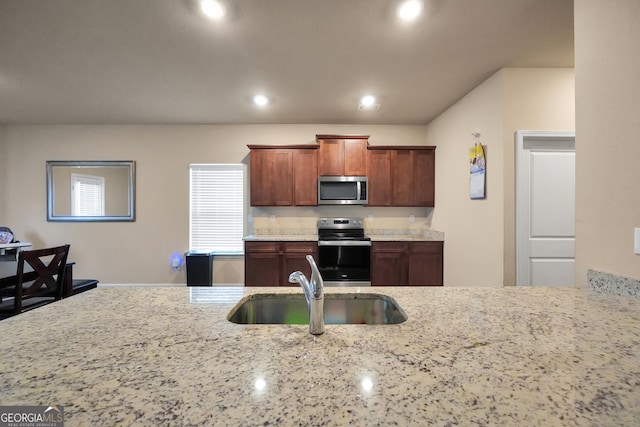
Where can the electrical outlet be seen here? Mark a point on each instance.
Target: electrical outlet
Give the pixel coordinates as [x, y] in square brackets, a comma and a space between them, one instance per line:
[636, 241]
[272, 218]
[412, 218]
[370, 218]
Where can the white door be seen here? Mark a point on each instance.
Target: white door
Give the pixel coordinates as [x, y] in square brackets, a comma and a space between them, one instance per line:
[545, 208]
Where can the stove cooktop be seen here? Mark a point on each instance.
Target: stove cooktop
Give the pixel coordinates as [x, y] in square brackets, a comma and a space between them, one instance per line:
[341, 229]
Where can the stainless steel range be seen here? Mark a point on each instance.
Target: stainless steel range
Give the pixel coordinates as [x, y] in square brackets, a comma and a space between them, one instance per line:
[344, 252]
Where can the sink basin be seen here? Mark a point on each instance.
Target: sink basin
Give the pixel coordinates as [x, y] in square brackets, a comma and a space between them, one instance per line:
[339, 309]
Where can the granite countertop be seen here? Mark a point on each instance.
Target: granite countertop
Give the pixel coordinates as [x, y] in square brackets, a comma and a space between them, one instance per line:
[281, 237]
[149, 356]
[406, 236]
[375, 235]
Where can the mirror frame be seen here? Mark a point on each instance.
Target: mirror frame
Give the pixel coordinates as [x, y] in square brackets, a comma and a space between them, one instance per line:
[131, 164]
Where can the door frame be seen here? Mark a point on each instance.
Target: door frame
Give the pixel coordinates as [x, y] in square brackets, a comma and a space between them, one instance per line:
[522, 181]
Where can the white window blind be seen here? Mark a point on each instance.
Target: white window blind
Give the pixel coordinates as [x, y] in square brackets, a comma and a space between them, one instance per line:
[87, 195]
[217, 208]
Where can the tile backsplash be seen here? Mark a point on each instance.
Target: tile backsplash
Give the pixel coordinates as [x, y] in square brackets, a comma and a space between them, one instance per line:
[375, 226]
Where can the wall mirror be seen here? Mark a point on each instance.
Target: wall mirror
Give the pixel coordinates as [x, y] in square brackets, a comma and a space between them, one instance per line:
[90, 190]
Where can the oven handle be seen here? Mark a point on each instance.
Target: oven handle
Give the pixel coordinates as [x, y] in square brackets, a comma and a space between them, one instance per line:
[344, 243]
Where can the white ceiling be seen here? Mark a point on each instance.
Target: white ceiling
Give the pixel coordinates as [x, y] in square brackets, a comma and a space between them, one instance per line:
[161, 61]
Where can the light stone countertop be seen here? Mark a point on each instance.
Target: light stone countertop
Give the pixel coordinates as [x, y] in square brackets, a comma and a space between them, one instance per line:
[281, 237]
[375, 235]
[405, 238]
[150, 356]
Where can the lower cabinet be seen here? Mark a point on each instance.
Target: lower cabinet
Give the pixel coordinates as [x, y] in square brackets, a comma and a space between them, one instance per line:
[392, 263]
[271, 263]
[407, 263]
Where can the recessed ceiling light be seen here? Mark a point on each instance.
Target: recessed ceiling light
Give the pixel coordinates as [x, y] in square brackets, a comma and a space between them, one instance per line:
[409, 10]
[213, 8]
[368, 102]
[260, 100]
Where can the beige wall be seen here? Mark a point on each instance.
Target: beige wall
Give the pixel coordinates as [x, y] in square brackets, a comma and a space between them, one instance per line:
[607, 42]
[3, 180]
[473, 228]
[480, 234]
[139, 252]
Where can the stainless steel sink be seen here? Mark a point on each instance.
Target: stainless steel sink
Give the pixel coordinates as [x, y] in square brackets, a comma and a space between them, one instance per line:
[339, 309]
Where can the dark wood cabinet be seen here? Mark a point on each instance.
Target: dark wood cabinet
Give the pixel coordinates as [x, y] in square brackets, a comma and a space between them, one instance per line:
[294, 258]
[407, 263]
[261, 264]
[379, 166]
[401, 176]
[425, 261]
[342, 155]
[287, 175]
[413, 177]
[271, 263]
[388, 263]
[271, 177]
[283, 175]
[305, 177]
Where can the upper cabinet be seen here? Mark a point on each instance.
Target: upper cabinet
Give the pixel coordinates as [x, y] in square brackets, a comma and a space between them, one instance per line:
[305, 176]
[342, 155]
[379, 165]
[283, 175]
[287, 175]
[401, 176]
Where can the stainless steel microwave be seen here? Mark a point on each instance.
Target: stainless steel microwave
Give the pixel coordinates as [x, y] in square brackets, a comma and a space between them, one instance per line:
[342, 190]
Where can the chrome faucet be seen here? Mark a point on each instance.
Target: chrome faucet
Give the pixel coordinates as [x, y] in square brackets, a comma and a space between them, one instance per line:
[314, 293]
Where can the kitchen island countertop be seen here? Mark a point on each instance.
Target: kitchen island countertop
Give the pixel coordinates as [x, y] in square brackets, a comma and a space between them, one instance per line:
[465, 356]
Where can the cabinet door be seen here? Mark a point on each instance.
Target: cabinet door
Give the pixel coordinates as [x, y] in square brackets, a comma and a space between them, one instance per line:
[413, 177]
[305, 177]
[294, 259]
[271, 177]
[379, 177]
[425, 263]
[331, 157]
[282, 177]
[261, 167]
[388, 263]
[261, 264]
[424, 178]
[355, 157]
[402, 184]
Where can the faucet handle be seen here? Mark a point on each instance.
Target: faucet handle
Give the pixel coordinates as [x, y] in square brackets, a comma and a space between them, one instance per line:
[316, 282]
[312, 263]
[297, 277]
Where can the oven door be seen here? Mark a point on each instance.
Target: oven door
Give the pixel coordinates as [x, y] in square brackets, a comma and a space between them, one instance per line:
[345, 262]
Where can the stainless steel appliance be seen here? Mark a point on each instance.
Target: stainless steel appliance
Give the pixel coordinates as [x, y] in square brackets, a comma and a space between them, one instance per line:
[344, 252]
[342, 190]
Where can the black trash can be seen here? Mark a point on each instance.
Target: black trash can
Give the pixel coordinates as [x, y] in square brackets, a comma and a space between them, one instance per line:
[199, 268]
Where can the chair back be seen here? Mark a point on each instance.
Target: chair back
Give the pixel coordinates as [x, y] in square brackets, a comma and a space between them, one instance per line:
[49, 265]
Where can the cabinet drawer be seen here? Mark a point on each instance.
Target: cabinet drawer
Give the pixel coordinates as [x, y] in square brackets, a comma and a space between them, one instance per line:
[389, 246]
[302, 247]
[251, 247]
[425, 247]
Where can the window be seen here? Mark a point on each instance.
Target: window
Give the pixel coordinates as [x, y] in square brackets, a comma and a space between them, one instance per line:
[217, 208]
[87, 195]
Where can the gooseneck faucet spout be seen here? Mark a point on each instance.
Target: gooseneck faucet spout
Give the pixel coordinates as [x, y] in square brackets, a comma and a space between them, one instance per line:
[314, 293]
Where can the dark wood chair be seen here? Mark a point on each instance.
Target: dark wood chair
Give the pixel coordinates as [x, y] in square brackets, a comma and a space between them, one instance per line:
[49, 267]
